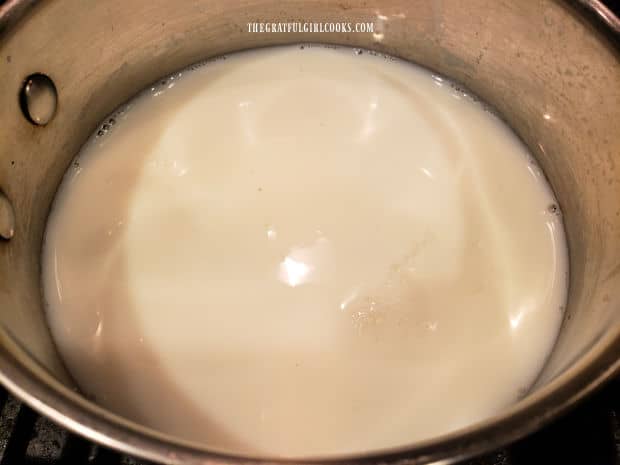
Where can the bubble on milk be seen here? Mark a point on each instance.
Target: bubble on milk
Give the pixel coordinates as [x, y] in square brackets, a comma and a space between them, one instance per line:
[554, 209]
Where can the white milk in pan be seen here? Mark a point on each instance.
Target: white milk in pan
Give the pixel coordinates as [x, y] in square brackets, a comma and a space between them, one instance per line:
[304, 251]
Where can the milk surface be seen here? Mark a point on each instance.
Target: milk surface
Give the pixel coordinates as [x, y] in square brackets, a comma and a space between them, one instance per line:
[304, 251]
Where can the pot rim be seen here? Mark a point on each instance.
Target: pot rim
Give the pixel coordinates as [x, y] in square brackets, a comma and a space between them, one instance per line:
[38, 389]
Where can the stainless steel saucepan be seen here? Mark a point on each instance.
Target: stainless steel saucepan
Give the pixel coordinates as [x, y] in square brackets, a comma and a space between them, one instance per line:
[550, 68]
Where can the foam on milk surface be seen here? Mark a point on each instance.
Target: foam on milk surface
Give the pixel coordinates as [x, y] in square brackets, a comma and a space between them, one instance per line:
[304, 252]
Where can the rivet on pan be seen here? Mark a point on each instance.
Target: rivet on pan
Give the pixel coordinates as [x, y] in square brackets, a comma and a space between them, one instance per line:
[38, 99]
[7, 218]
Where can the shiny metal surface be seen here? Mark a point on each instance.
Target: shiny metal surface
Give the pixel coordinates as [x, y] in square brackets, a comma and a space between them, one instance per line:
[604, 14]
[548, 68]
[7, 218]
[39, 99]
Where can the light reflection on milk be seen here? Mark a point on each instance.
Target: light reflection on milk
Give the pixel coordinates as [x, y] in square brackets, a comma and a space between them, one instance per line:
[304, 252]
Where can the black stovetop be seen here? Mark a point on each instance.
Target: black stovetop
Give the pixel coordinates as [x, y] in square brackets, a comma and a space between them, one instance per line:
[587, 435]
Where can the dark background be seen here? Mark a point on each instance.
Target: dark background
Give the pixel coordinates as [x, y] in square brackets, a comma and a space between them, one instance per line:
[614, 5]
